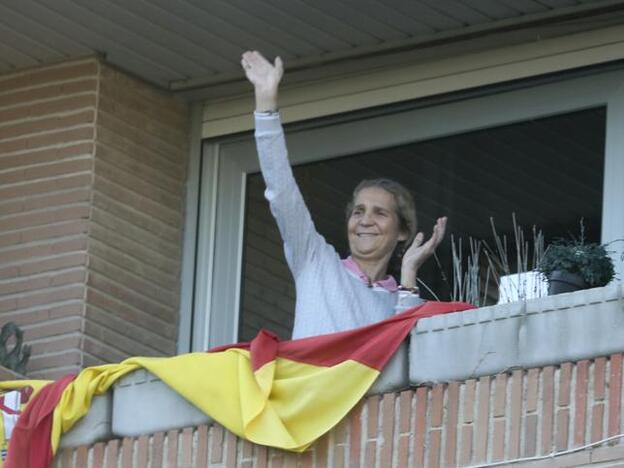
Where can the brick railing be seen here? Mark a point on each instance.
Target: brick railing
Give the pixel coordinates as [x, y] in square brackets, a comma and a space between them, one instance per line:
[522, 413]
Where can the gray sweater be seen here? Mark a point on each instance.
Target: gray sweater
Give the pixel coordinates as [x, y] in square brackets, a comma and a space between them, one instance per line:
[329, 298]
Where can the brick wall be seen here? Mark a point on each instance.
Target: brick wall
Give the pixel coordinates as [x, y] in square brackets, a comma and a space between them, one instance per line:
[524, 413]
[92, 165]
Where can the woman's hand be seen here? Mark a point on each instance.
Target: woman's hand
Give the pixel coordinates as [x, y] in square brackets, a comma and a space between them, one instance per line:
[265, 76]
[419, 252]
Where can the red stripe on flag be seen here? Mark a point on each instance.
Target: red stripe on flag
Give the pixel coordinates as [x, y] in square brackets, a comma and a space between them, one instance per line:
[372, 345]
[30, 445]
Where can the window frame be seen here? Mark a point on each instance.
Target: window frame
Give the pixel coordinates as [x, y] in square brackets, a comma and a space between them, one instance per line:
[225, 163]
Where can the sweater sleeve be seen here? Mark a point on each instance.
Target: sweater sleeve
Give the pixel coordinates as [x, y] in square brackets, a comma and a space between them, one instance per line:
[301, 241]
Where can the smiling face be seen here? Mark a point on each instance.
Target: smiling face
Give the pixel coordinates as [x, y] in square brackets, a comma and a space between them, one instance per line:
[373, 226]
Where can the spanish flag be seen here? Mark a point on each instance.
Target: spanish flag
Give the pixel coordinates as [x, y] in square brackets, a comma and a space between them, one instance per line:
[281, 394]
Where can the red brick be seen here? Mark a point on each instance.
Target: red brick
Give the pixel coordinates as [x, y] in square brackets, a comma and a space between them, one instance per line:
[500, 395]
[142, 450]
[98, 455]
[565, 380]
[483, 417]
[405, 411]
[59, 137]
[306, 459]
[172, 448]
[66, 458]
[82, 456]
[355, 421]
[127, 446]
[47, 75]
[580, 395]
[469, 400]
[452, 408]
[46, 155]
[530, 435]
[157, 449]
[548, 396]
[72, 227]
[261, 456]
[47, 124]
[515, 425]
[187, 446]
[437, 405]
[402, 451]
[45, 186]
[68, 325]
[615, 396]
[532, 390]
[62, 359]
[112, 453]
[465, 452]
[372, 405]
[498, 440]
[370, 454]
[599, 378]
[35, 112]
[562, 429]
[52, 248]
[46, 171]
[420, 426]
[321, 447]
[597, 422]
[435, 440]
[53, 91]
[50, 280]
[51, 200]
[230, 449]
[387, 429]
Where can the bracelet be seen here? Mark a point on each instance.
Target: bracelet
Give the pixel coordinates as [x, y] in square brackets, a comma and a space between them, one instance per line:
[413, 289]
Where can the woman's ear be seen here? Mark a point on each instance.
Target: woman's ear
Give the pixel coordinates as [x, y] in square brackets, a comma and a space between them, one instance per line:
[403, 236]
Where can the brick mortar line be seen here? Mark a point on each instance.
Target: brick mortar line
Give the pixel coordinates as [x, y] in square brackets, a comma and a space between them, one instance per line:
[162, 173]
[169, 147]
[37, 149]
[142, 196]
[69, 269]
[41, 242]
[133, 241]
[171, 280]
[43, 179]
[45, 210]
[146, 180]
[26, 167]
[43, 291]
[109, 296]
[49, 132]
[117, 332]
[47, 116]
[134, 276]
[54, 97]
[45, 195]
[44, 84]
[135, 211]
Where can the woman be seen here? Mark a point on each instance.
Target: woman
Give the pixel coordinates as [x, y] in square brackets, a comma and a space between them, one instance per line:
[334, 294]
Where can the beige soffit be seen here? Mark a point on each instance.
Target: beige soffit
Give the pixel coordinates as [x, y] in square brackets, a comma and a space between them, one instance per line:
[358, 91]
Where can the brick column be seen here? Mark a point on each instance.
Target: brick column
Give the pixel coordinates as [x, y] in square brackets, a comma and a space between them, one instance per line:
[92, 167]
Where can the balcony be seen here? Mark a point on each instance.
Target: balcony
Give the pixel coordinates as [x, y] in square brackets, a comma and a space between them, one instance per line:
[520, 380]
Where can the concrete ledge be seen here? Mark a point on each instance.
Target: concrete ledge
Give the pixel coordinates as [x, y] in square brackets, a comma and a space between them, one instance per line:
[538, 332]
[94, 427]
[395, 376]
[144, 404]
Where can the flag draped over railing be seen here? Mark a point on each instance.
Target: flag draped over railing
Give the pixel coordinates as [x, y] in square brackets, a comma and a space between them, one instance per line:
[281, 394]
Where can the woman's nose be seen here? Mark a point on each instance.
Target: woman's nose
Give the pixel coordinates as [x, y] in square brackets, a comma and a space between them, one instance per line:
[366, 219]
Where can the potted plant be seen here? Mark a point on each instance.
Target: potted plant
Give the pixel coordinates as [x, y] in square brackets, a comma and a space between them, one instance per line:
[570, 265]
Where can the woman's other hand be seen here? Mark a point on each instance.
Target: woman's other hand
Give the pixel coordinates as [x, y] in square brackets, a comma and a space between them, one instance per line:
[265, 76]
[419, 252]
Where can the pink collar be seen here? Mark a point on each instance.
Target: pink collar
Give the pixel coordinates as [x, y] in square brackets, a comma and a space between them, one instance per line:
[388, 282]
